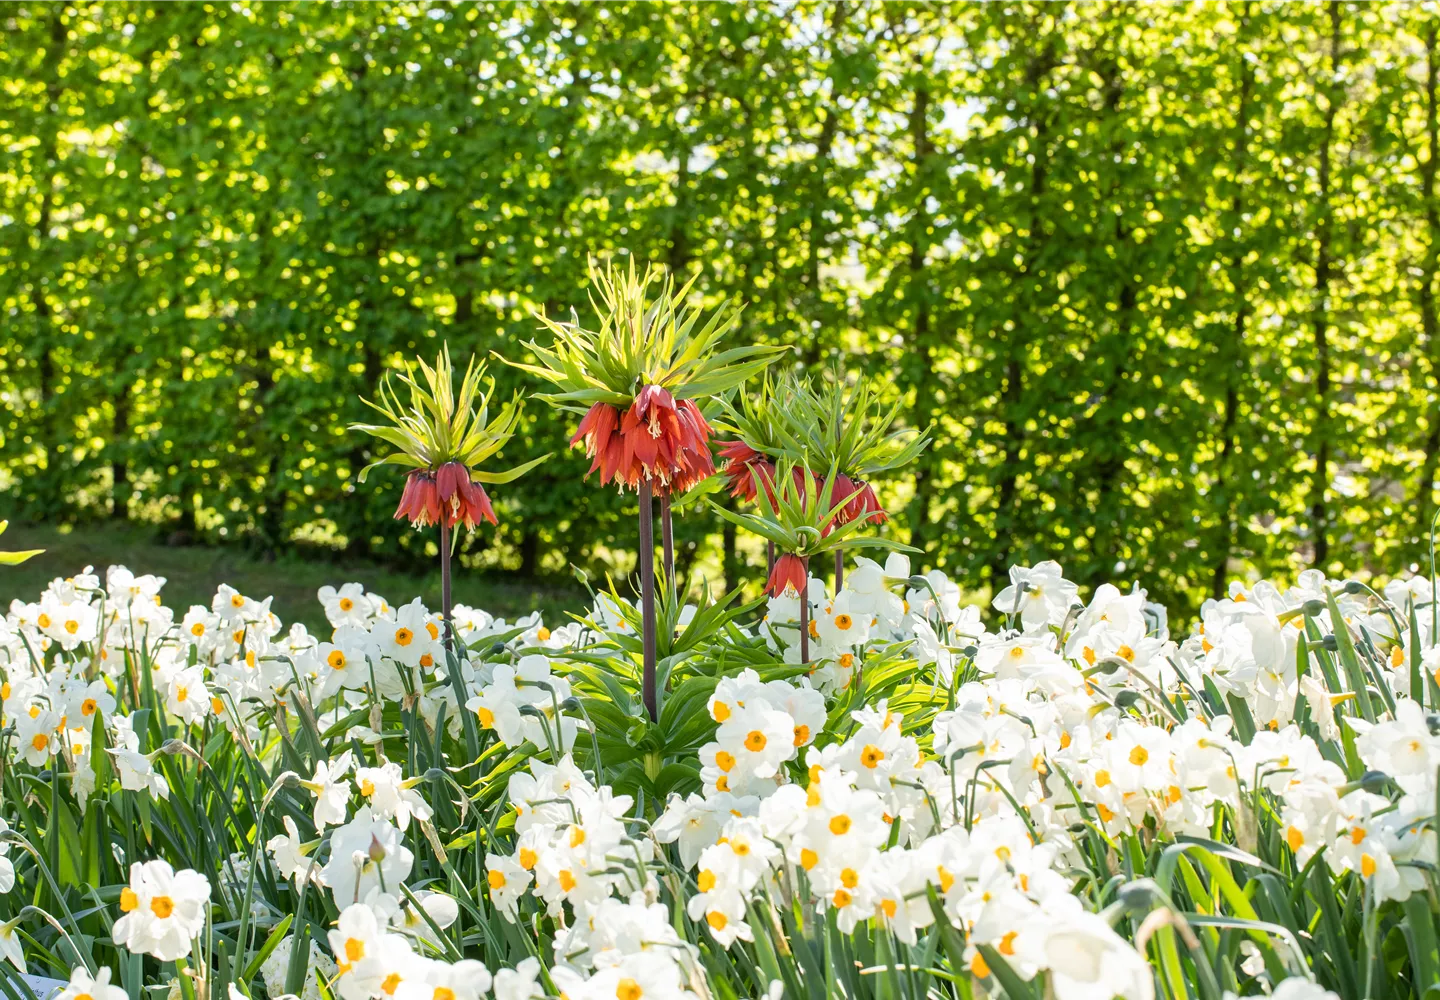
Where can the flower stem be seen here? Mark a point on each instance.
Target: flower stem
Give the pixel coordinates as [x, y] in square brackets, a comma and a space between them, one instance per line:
[452, 658]
[805, 610]
[445, 585]
[769, 557]
[839, 570]
[647, 598]
[667, 542]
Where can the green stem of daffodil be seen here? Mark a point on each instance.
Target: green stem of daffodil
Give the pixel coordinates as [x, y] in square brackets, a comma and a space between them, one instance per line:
[667, 542]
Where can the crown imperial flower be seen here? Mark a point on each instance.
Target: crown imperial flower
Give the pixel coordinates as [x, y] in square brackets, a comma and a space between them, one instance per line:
[637, 377]
[444, 437]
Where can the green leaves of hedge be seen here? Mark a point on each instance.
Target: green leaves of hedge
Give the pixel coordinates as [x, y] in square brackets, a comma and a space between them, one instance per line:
[1093, 244]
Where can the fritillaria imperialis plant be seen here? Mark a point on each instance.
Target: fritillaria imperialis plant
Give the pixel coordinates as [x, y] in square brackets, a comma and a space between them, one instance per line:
[637, 379]
[839, 425]
[801, 515]
[444, 437]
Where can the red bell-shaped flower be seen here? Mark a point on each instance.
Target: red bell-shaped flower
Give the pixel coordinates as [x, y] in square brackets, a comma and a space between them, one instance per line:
[657, 439]
[866, 506]
[787, 575]
[462, 501]
[448, 495]
[744, 467]
[420, 502]
[858, 498]
[599, 431]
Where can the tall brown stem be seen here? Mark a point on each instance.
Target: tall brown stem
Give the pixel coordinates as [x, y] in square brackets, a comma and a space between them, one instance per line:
[805, 610]
[452, 655]
[769, 557]
[839, 570]
[445, 586]
[647, 599]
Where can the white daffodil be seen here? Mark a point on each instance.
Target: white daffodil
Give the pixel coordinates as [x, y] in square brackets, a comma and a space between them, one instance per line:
[519, 983]
[138, 774]
[83, 986]
[1038, 595]
[331, 789]
[346, 606]
[290, 853]
[162, 911]
[390, 795]
[365, 854]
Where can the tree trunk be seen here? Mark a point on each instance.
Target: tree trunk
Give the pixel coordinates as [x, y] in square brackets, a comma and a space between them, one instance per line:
[678, 258]
[119, 468]
[1009, 475]
[1320, 314]
[1013, 390]
[1110, 470]
[529, 553]
[819, 185]
[1425, 488]
[1239, 363]
[45, 188]
[922, 413]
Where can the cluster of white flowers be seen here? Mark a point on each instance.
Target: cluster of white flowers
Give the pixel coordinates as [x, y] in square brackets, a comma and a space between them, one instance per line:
[867, 615]
[1246, 646]
[573, 846]
[162, 910]
[1070, 724]
[522, 703]
[1041, 741]
[761, 728]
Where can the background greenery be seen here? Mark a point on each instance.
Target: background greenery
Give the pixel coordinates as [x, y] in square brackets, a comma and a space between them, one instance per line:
[1163, 274]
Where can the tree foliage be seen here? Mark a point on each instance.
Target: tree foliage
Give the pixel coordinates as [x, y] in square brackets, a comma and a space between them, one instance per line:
[1162, 275]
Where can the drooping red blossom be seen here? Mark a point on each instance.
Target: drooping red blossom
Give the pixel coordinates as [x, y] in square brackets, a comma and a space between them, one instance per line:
[657, 439]
[860, 502]
[743, 467]
[599, 430]
[788, 574]
[866, 506]
[461, 500]
[448, 495]
[420, 502]
[692, 460]
[840, 492]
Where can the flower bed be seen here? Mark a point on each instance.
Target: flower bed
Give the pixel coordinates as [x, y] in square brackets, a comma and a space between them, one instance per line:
[1045, 797]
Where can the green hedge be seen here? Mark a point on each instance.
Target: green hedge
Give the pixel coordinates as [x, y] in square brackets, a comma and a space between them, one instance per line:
[1164, 275]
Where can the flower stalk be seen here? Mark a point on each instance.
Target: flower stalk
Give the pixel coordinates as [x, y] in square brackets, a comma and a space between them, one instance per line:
[805, 607]
[443, 437]
[445, 595]
[648, 683]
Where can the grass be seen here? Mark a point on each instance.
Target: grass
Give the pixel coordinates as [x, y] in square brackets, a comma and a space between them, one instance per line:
[193, 572]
